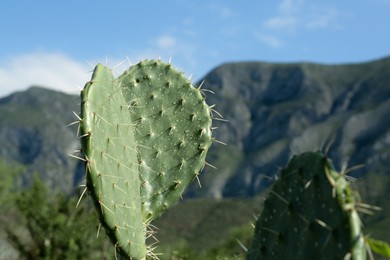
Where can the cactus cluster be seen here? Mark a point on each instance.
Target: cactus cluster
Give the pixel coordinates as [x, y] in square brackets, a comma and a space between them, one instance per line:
[310, 213]
[144, 137]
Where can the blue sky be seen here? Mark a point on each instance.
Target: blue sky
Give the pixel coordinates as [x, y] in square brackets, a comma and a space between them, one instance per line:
[57, 43]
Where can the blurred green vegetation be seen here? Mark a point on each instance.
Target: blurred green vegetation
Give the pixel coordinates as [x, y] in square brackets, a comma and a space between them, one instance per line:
[37, 223]
[10, 182]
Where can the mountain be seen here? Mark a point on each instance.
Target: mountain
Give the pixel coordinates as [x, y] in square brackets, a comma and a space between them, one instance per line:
[276, 110]
[272, 111]
[34, 133]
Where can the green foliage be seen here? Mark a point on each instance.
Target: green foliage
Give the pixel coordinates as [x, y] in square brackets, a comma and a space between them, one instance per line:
[47, 225]
[234, 246]
[374, 189]
[310, 211]
[379, 247]
[10, 174]
[145, 136]
[209, 228]
[230, 246]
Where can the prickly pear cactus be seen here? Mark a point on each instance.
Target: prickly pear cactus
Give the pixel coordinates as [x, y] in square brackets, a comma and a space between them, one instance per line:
[144, 137]
[173, 131]
[111, 162]
[309, 214]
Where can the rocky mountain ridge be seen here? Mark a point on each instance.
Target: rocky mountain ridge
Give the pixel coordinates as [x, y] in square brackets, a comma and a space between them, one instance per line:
[277, 110]
[273, 111]
[34, 134]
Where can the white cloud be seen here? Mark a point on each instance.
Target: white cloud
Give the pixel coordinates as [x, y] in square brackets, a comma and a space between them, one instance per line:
[166, 42]
[60, 72]
[287, 15]
[220, 10]
[281, 22]
[226, 13]
[296, 14]
[53, 70]
[322, 18]
[270, 40]
[167, 48]
[289, 7]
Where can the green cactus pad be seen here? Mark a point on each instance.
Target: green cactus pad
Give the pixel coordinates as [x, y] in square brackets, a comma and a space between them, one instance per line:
[173, 131]
[111, 162]
[145, 137]
[309, 214]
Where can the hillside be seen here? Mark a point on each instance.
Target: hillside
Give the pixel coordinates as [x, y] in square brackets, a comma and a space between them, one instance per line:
[276, 110]
[33, 133]
[273, 111]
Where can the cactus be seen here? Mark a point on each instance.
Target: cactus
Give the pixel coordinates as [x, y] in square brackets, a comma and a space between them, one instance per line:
[309, 212]
[173, 131]
[111, 162]
[144, 136]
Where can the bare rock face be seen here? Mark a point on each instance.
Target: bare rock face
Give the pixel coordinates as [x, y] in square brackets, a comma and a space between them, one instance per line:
[273, 111]
[277, 110]
[33, 133]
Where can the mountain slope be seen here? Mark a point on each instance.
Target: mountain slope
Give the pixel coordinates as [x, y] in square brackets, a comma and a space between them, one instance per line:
[275, 110]
[33, 132]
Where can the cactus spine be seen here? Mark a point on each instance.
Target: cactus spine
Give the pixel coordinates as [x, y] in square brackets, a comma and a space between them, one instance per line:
[309, 213]
[144, 136]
